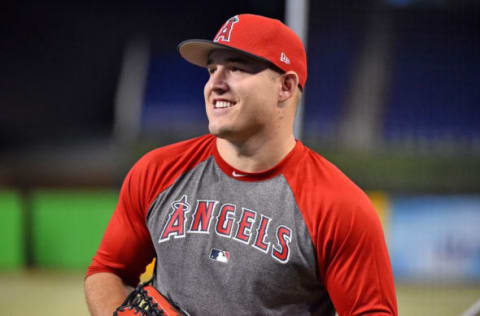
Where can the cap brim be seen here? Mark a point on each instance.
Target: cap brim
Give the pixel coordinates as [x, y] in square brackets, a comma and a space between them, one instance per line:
[196, 51]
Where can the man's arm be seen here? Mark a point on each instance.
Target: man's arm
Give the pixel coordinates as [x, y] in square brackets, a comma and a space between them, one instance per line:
[359, 276]
[104, 293]
[126, 247]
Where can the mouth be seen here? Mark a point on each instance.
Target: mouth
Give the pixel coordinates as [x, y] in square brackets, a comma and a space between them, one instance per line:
[222, 104]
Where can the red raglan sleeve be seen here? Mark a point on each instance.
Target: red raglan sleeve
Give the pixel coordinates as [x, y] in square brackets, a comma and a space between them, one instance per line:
[356, 266]
[126, 247]
[352, 256]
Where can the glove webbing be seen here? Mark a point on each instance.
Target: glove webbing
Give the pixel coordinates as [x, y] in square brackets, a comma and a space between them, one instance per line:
[141, 302]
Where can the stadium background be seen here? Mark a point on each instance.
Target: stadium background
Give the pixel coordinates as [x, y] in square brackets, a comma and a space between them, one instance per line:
[86, 88]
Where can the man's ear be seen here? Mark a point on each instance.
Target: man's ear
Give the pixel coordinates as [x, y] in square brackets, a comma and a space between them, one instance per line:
[289, 81]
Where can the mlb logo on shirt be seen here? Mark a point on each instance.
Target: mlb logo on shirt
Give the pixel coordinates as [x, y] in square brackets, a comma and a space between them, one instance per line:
[220, 255]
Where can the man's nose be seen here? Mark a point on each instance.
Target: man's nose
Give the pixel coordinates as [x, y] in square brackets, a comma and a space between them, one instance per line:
[218, 80]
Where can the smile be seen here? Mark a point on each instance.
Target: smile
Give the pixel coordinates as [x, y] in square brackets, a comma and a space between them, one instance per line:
[223, 104]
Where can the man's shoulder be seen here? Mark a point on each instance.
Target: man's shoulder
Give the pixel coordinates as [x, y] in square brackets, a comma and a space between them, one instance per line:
[323, 168]
[320, 173]
[176, 157]
[201, 146]
[322, 188]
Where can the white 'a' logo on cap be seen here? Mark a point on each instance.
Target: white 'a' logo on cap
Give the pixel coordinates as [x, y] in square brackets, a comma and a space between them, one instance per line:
[226, 30]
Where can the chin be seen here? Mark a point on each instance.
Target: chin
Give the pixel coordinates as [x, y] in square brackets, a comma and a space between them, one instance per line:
[222, 132]
[219, 133]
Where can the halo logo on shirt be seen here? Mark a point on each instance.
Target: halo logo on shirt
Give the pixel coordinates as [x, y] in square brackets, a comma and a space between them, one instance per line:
[176, 221]
[240, 224]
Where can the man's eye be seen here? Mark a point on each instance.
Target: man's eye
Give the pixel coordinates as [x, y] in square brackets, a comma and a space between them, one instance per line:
[211, 70]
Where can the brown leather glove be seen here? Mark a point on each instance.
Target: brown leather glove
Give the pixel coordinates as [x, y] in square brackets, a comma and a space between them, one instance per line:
[145, 300]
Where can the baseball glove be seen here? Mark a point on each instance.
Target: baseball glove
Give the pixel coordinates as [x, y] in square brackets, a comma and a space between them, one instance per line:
[145, 300]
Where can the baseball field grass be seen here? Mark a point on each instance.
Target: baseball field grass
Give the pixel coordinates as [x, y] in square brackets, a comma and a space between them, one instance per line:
[54, 293]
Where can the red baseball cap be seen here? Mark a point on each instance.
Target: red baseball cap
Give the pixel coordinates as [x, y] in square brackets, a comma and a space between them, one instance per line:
[257, 36]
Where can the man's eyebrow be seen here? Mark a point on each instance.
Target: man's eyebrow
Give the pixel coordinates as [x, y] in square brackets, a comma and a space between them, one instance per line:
[240, 60]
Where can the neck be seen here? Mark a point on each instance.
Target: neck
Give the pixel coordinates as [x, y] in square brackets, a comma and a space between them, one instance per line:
[255, 154]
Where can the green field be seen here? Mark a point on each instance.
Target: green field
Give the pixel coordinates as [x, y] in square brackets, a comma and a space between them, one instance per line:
[48, 293]
[444, 300]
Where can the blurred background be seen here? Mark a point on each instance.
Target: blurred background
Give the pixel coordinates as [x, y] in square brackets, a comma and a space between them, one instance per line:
[86, 88]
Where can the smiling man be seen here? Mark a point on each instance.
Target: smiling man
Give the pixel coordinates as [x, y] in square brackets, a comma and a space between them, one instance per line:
[246, 220]
[250, 108]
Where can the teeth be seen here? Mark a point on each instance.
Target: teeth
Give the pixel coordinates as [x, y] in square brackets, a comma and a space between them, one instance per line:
[223, 104]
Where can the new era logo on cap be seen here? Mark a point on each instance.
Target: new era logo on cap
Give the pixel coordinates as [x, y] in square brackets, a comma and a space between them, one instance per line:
[265, 38]
[284, 58]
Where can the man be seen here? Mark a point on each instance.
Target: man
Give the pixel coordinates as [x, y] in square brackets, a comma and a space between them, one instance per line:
[246, 220]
